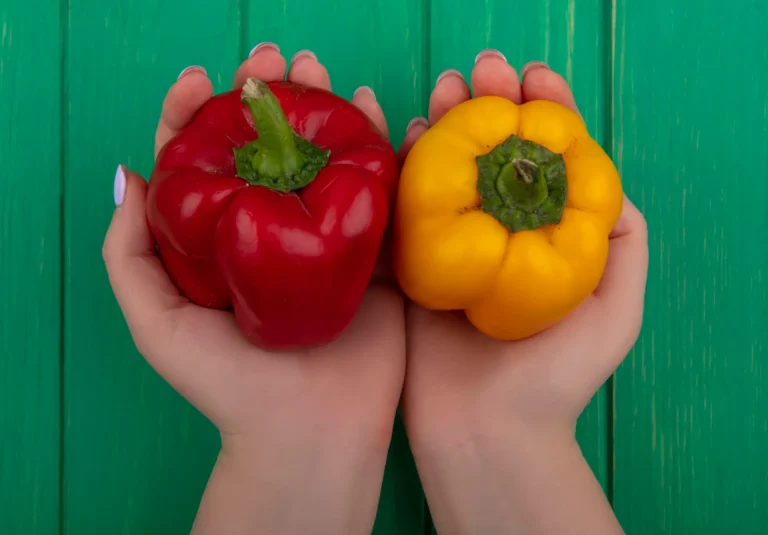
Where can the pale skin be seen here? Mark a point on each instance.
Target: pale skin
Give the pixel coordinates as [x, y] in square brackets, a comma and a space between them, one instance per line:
[305, 435]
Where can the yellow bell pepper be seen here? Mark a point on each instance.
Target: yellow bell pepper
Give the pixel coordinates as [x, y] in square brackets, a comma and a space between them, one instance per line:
[504, 212]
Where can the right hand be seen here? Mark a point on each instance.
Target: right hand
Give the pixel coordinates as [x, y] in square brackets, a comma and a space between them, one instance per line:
[468, 393]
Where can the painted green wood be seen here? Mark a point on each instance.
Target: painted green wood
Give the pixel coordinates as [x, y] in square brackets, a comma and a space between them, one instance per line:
[30, 275]
[127, 433]
[572, 40]
[691, 140]
[136, 455]
[675, 88]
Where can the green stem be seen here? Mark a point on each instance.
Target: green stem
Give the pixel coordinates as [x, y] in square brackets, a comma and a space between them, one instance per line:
[522, 184]
[279, 159]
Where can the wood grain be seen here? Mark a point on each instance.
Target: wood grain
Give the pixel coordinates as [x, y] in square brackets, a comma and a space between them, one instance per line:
[136, 455]
[30, 275]
[691, 138]
[127, 433]
[572, 40]
[676, 89]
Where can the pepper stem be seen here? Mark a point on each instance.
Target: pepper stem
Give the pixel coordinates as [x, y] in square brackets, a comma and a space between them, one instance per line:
[522, 184]
[279, 159]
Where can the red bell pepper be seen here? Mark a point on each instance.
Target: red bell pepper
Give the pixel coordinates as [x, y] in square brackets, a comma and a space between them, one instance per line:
[273, 202]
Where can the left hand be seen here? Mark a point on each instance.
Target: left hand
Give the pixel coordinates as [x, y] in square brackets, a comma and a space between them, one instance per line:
[311, 425]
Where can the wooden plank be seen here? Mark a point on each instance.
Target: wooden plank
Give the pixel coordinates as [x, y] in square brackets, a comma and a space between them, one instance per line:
[128, 434]
[572, 40]
[378, 44]
[385, 54]
[30, 267]
[691, 135]
[136, 455]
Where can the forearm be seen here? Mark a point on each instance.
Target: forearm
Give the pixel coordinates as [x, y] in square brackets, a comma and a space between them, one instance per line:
[491, 485]
[296, 488]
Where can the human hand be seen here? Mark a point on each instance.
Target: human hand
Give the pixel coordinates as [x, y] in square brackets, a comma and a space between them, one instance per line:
[492, 424]
[310, 429]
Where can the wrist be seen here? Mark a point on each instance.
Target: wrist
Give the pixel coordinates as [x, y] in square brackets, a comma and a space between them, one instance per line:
[511, 479]
[279, 484]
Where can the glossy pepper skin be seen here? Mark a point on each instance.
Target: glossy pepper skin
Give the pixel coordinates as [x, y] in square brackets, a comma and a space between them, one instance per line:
[504, 212]
[273, 202]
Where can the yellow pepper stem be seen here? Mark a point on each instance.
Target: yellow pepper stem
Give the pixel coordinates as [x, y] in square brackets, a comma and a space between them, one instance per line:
[522, 184]
[523, 181]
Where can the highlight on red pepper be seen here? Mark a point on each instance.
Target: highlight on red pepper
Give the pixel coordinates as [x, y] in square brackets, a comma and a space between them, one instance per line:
[273, 202]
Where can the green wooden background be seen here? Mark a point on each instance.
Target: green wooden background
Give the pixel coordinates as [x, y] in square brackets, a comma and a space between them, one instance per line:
[92, 441]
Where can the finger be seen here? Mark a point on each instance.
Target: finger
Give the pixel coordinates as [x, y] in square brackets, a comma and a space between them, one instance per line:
[492, 75]
[191, 90]
[606, 325]
[621, 292]
[163, 324]
[142, 288]
[264, 62]
[450, 90]
[306, 70]
[541, 83]
[413, 132]
[365, 99]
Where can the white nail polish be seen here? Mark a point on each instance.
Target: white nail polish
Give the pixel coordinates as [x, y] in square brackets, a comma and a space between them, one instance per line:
[489, 52]
[303, 54]
[417, 121]
[190, 69]
[531, 65]
[364, 89]
[119, 187]
[447, 73]
[262, 46]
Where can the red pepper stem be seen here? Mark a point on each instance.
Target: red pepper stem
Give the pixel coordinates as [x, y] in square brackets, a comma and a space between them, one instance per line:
[279, 159]
[278, 154]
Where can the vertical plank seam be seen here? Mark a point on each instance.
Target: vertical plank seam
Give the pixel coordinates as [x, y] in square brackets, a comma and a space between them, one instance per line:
[609, 16]
[426, 82]
[242, 46]
[63, 124]
[426, 54]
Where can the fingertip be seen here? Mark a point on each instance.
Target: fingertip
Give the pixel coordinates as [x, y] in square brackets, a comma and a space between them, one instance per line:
[119, 186]
[542, 83]
[191, 69]
[631, 221]
[413, 132]
[191, 90]
[416, 122]
[363, 92]
[305, 69]
[265, 62]
[365, 100]
[492, 75]
[450, 90]
[531, 65]
[128, 232]
[262, 46]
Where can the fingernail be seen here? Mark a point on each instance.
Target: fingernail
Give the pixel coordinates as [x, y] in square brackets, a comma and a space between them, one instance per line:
[119, 185]
[190, 69]
[262, 46]
[489, 52]
[364, 89]
[447, 73]
[415, 122]
[303, 54]
[532, 65]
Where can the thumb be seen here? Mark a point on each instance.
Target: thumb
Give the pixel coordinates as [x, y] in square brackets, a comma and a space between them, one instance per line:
[621, 292]
[142, 288]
